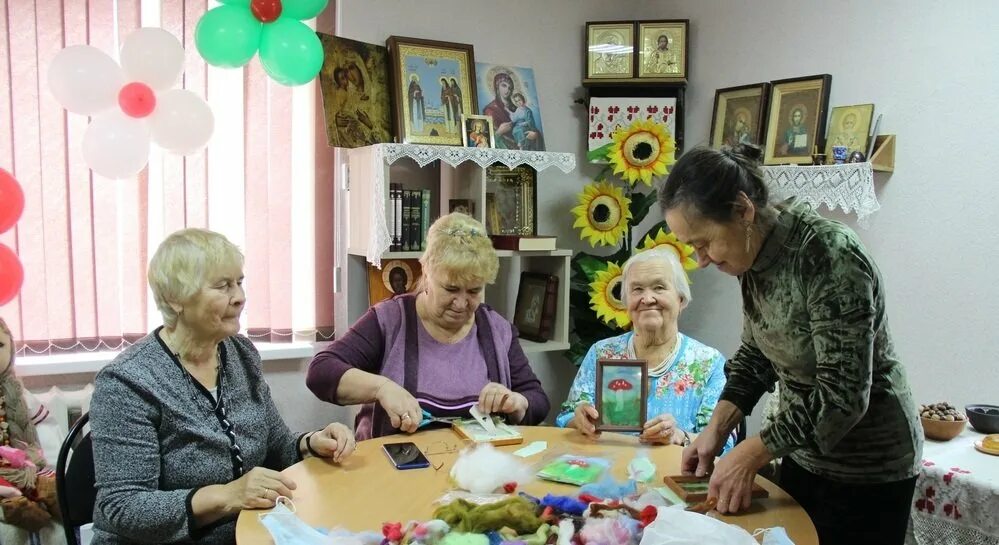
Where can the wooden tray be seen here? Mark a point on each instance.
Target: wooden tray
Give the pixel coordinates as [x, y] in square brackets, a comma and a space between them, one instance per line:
[471, 430]
[695, 489]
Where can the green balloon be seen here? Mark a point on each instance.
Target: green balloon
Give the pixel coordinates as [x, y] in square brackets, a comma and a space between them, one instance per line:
[290, 52]
[227, 36]
[235, 2]
[302, 9]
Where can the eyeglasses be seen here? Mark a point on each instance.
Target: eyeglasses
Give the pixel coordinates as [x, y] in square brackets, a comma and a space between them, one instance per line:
[443, 447]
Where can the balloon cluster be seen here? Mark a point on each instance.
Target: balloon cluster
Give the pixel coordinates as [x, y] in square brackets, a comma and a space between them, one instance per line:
[230, 35]
[132, 103]
[11, 206]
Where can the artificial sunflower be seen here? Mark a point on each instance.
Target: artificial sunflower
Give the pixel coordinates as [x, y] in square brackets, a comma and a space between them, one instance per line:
[605, 296]
[663, 239]
[642, 150]
[603, 213]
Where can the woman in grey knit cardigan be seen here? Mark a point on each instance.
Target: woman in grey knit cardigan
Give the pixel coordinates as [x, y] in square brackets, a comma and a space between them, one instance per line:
[185, 432]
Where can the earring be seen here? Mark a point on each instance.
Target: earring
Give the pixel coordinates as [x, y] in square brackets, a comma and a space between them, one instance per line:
[749, 233]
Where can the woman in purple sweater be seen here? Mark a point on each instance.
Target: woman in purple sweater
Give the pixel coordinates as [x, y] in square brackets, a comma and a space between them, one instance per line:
[438, 350]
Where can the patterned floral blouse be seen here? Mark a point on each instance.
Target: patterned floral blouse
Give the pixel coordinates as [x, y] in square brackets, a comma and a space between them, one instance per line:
[688, 389]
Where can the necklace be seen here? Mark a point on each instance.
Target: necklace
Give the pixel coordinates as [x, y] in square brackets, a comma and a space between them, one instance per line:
[661, 367]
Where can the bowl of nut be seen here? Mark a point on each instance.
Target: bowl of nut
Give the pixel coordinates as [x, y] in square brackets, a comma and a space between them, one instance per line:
[941, 421]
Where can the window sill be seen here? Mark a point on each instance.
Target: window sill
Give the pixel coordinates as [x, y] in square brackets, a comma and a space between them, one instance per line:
[92, 362]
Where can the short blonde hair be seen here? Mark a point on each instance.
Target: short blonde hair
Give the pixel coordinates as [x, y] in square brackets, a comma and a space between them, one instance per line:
[459, 248]
[665, 256]
[183, 263]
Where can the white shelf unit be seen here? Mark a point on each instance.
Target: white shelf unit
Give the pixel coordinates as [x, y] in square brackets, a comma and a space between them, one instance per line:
[449, 173]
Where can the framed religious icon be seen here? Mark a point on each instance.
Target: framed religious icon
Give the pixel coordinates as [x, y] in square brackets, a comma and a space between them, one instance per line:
[477, 131]
[662, 47]
[849, 126]
[396, 277]
[620, 394]
[433, 85]
[511, 194]
[534, 314]
[610, 51]
[356, 94]
[739, 116]
[797, 119]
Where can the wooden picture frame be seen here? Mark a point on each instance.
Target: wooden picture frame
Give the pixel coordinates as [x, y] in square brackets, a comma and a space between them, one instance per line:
[693, 489]
[534, 313]
[610, 51]
[621, 390]
[477, 130]
[426, 112]
[663, 50]
[511, 197]
[849, 126]
[740, 115]
[796, 121]
[471, 430]
[396, 277]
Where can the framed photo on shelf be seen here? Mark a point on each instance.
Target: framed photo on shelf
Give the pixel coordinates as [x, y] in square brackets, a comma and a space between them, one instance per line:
[511, 194]
[849, 126]
[620, 393]
[797, 119]
[739, 115]
[663, 50]
[610, 50]
[534, 314]
[477, 131]
[433, 86]
[396, 277]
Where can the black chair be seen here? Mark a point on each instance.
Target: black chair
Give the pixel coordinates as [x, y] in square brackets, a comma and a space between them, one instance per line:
[75, 479]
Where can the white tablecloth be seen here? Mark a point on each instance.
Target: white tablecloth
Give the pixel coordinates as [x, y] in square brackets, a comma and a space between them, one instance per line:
[957, 494]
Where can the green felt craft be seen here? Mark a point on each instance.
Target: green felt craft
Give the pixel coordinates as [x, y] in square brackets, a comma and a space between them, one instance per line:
[514, 513]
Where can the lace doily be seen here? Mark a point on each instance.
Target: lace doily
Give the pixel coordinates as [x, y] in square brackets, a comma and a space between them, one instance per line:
[379, 238]
[849, 187]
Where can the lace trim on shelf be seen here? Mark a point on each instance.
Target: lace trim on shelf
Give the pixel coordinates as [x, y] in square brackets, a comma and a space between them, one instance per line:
[849, 187]
[380, 240]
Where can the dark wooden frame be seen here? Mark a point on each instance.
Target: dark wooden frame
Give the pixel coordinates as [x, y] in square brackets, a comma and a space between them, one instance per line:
[598, 393]
[761, 118]
[639, 50]
[676, 482]
[591, 78]
[533, 331]
[470, 103]
[824, 81]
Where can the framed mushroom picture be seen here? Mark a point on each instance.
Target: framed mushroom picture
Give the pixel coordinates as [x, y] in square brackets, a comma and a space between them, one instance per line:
[620, 393]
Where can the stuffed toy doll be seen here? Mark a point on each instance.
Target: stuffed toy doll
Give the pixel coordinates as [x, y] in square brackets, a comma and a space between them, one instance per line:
[27, 485]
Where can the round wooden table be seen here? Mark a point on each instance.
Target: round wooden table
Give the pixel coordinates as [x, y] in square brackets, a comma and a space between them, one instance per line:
[366, 490]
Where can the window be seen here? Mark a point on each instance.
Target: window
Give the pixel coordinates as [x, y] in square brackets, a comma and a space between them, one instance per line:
[265, 181]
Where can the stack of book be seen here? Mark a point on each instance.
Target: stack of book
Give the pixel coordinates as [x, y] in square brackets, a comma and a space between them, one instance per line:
[523, 243]
[410, 211]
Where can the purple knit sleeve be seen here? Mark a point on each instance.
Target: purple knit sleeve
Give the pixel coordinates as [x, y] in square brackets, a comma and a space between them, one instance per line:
[361, 348]
[524, 382]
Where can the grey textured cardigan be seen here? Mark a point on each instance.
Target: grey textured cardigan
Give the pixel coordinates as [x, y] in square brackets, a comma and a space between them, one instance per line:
[157, 440]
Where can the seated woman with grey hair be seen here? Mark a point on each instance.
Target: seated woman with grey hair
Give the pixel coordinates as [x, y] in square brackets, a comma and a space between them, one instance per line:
[686, 377]
[185, 433]
[434, 353]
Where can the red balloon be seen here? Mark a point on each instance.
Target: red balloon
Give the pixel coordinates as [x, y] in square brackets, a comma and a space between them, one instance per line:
[11, 201]
[266, 11]
[11, 275]
[137, 99]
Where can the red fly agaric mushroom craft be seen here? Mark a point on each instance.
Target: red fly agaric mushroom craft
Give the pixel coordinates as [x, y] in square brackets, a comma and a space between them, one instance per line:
[621, 391]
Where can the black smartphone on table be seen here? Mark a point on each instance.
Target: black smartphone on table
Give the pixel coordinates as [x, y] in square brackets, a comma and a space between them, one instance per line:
[405, 455]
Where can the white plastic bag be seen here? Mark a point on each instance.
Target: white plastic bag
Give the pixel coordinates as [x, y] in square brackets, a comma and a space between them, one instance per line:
[674, 526]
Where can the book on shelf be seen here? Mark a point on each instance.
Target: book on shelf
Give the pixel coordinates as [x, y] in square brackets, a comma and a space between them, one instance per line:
[395, 195]
[523, 243]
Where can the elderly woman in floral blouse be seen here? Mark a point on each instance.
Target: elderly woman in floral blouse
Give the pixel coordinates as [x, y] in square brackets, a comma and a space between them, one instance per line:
[685, 376]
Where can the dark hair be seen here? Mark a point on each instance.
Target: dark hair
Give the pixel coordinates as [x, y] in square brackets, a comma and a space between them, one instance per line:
[710, 181]
[521, 95]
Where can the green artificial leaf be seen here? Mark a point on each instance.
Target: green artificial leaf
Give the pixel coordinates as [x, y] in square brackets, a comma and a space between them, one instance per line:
[599, 153]
[590, 265]
[640, 205]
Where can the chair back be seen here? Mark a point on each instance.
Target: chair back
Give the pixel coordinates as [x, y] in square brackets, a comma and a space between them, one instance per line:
[75, 479]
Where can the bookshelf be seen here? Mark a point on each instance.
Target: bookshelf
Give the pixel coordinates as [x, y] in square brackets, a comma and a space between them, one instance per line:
[449, 172]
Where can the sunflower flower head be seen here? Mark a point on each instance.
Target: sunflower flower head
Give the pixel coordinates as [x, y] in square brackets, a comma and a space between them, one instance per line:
[664, 240]
[605, 296]
[602, 213]
[642, 150]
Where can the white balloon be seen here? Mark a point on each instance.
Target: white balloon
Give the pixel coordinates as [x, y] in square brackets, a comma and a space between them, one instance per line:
[116, 145]
[152, 56]
[182, 122]
[84, 79]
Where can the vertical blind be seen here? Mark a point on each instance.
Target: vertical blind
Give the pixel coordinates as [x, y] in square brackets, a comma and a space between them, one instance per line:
[265, 181]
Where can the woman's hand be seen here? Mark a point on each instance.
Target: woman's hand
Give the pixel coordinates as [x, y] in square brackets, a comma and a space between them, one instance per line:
[732, 480]
[585, 420]
[335, 441]
[496, 398]
[259, 488]
[403, 410]
[662, 430]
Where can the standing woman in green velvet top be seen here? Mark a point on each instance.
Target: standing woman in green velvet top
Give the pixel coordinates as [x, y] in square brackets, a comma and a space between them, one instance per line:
[814, 319]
